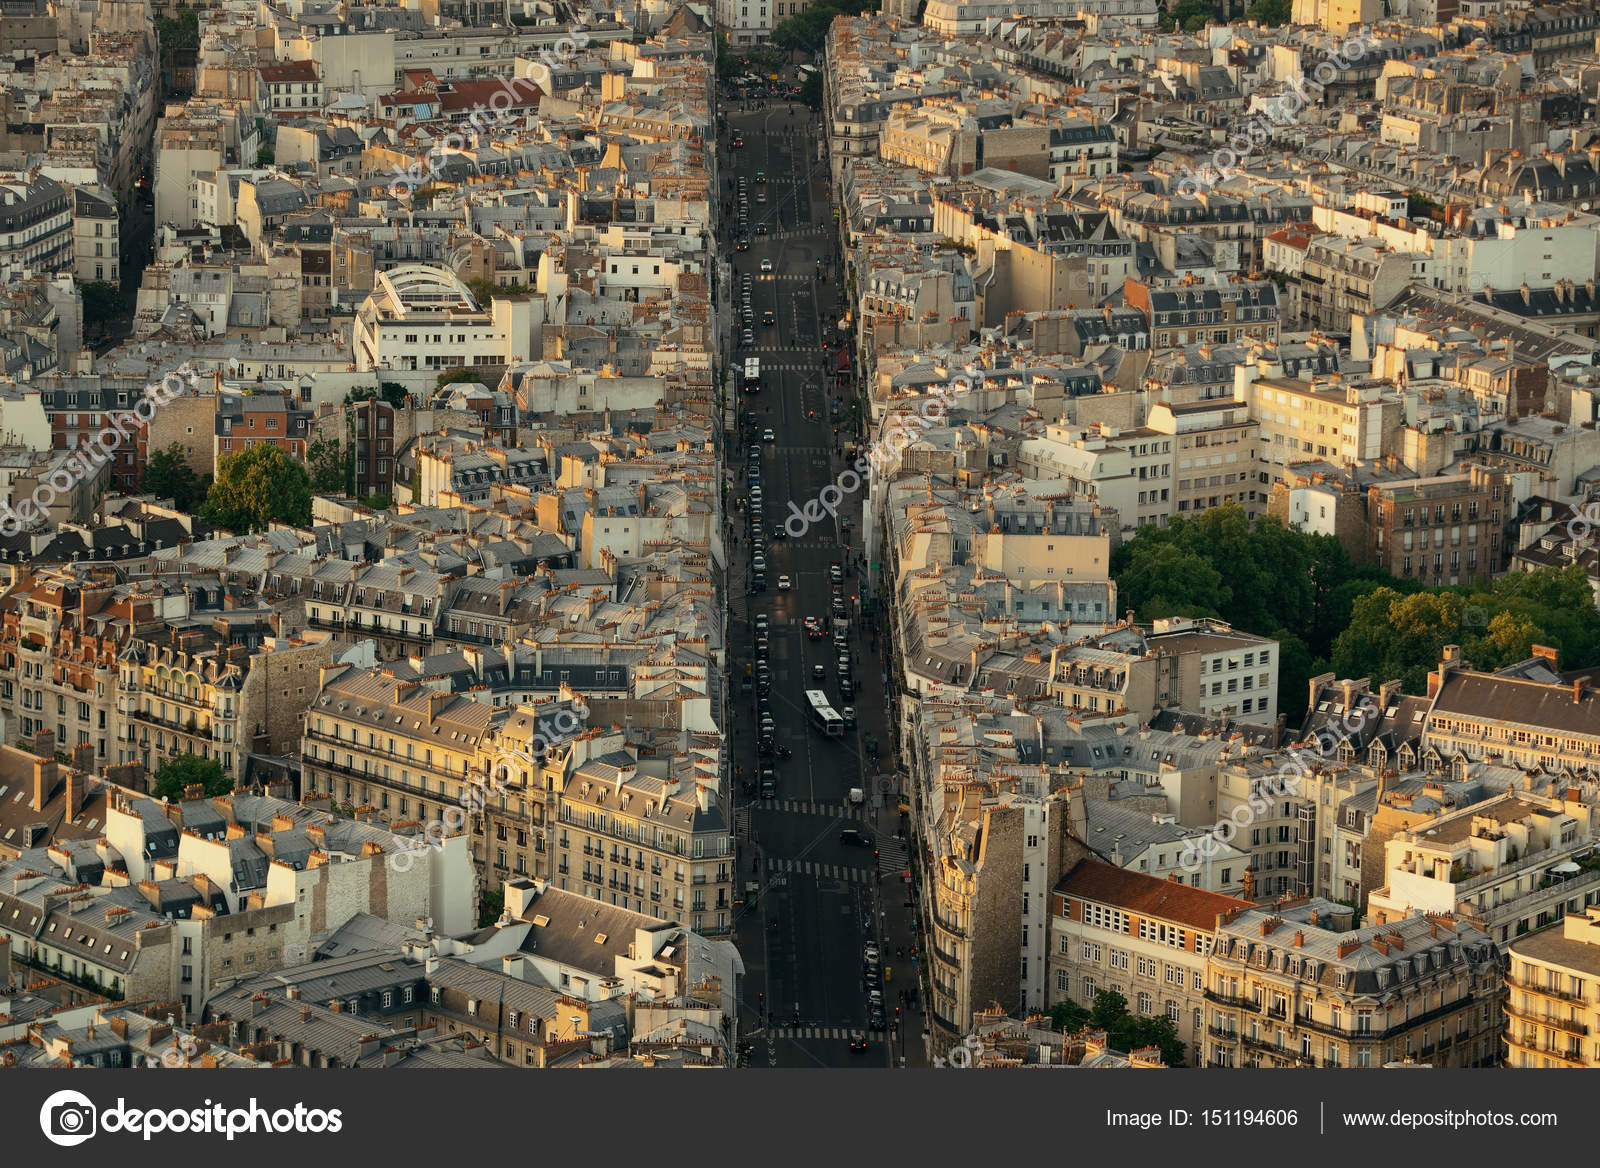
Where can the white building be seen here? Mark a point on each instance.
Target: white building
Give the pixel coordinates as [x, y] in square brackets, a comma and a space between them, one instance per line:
[423, 317]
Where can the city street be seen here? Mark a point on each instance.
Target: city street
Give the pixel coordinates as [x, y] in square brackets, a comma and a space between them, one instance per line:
[816, 897]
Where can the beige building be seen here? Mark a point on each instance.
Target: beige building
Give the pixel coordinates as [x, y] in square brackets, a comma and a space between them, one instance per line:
[1337, 419]
[1216, 456]
[1552, 1001]
[1509, 863]
[1294, 985]
[988, 900]
[216, 689]
[1144, 938]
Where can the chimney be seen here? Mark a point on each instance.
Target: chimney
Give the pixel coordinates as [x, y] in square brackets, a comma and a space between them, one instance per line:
[1577, 689]
[44, 744]
[83, 757]
[1299, 938]
[44, 781]
[77, 783]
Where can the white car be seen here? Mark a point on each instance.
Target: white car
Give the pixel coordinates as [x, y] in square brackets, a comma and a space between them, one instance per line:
[766, 265]
[768, 436]
[759, 563]
[783, 583]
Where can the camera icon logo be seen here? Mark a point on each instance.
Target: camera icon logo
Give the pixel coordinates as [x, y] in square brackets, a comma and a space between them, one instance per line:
[68, 1118]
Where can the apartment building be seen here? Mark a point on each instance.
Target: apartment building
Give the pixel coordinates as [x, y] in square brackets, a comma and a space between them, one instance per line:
[1552, 1001]
[1293, 985]
[655, 842]
[96, 236]
[215, 688]
[1220, 314]
[1509, 863]
[63, 639]
[1343, 421]
[259, 419]
[1526, 716]
[1443, 529]
[1344, 276]
[988, 901]
[252, 883]
[1215, 455]
[35, 224]
[1129, 471]
[1142, 937]
[1200, 666]
[1251, 791]
[293, 88]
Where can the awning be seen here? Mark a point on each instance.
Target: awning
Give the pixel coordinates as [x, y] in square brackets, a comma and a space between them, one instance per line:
[844, 359]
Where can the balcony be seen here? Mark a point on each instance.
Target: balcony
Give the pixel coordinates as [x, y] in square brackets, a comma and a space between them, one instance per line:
[1546, 991]
[1545, 1020]
[1235, 1003]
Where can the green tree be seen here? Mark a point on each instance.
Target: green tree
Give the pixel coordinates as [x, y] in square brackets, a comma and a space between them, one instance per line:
[483, 291]
[102, 304]
[490, 905]
[727, 63]
[455, 375]
[1124, 1031]
[265, 156]
[326, 463]
[179, 31]
[176, 775]
[1163, 579]
[1271, 13]
[167, 474]
[811, 90]
[391, 391]
[258, 486]
[1193, 15]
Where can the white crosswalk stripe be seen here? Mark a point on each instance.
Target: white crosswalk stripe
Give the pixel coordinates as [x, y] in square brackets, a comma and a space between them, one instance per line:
[821, 871]
[838, 1033]
[892, 856]
[801, 807]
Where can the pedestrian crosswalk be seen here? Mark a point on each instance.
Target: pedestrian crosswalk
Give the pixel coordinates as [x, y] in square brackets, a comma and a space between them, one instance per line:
[892, 856]
[839, 1032]
[800, 807]
[824, 871]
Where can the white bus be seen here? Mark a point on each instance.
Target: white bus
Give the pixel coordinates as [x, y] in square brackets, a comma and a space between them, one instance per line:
[823, 715]
[752, 375]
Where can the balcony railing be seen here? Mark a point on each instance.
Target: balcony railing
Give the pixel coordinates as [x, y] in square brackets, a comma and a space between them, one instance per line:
[1546, 1020]
[1547, 991]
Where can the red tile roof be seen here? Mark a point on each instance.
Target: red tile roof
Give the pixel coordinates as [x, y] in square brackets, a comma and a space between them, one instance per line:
[289, 71]
[1147, 896]
[464, 96]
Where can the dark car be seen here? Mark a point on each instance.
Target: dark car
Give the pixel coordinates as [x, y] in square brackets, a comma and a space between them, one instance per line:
[769, 785]
[759, 582]
[856, 838]
[858, 1046]
[766, 745]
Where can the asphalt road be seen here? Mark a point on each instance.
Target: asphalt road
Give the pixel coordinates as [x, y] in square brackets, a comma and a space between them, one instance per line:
[816, 897]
